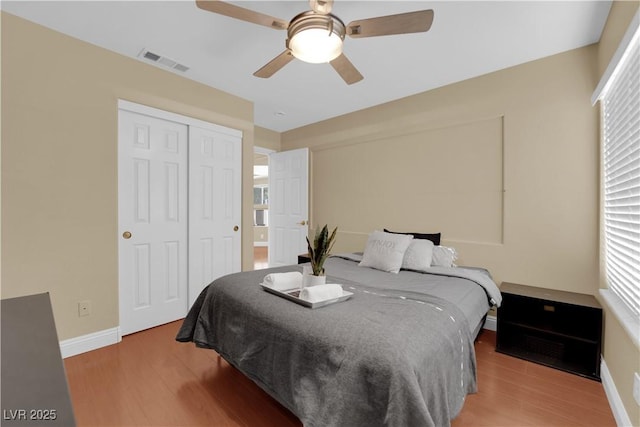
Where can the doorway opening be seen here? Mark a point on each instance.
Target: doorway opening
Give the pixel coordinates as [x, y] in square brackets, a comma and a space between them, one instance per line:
[260, 208]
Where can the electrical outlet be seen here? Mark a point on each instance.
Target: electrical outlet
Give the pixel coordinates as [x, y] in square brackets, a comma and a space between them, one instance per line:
[84, 308]
[636, 387]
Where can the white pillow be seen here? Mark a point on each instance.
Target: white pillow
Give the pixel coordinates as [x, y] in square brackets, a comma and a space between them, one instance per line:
[418, 255]
[444, 256]
[385, 251]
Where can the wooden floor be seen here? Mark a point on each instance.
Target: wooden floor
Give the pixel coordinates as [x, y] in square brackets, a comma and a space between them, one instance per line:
[514, 392]
[260, 257]
[149, 379]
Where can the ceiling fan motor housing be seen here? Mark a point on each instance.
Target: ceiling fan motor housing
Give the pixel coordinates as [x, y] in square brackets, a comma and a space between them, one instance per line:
[314, 37]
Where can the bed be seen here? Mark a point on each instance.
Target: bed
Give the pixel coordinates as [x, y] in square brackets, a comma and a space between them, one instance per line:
[399, 352]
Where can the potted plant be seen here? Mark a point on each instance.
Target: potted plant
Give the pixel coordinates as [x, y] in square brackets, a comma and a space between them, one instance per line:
[319, 251]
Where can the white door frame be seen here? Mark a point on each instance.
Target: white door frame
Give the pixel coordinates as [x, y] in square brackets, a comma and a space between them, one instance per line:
[189, 121]
[262, 150]
[167, 115]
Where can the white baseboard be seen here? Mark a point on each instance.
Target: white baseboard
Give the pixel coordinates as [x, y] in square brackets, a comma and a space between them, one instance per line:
[260, 243]
[617, 407]
[94, 341]
[491, 323]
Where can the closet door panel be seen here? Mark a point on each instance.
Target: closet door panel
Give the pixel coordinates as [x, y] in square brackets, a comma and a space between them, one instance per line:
[215, 164]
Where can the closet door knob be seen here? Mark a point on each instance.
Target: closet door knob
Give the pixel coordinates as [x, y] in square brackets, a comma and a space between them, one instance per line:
[126, 234]
[236, 228]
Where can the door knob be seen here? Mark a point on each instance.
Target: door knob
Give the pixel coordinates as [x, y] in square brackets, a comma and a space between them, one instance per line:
[303, 222]
[236, 228]
[126, 234]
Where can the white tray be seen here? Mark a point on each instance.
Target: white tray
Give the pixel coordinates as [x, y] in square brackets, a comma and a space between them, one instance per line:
[292, 295]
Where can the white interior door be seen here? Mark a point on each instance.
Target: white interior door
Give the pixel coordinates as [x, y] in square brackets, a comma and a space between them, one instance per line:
[215, 165]
[152, 216]
[288, 206]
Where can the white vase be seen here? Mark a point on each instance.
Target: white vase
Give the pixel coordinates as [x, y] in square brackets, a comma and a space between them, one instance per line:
[312, 280]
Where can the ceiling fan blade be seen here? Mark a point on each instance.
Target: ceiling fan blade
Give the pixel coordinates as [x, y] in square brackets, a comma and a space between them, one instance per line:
[274, 65]
[242, 14]
[404, 23]
[322, 7]
[347, 71]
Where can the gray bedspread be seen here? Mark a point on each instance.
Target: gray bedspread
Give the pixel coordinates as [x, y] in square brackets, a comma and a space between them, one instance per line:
[398, 353]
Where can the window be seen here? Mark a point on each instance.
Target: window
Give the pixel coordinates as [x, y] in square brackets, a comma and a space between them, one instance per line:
[619, 95]
[261, 195]
[260, 201]
[261, 217]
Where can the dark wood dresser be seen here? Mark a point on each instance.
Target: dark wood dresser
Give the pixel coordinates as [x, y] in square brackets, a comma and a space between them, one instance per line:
[34, 383]
[555, 328]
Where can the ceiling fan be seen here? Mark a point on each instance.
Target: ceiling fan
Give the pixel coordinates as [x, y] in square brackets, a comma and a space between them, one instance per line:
[316, 36]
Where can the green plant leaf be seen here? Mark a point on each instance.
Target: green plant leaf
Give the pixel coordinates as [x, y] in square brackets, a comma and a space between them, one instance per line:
[321, 248]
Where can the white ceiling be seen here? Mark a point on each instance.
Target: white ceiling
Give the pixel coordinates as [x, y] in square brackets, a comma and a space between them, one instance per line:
[467, 39]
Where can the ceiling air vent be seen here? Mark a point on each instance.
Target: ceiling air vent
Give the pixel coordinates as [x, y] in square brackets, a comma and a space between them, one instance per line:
[162, 60]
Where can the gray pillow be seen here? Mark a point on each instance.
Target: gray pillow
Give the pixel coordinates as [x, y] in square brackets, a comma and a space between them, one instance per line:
[418, 255]
[444, 256]
[385, 251]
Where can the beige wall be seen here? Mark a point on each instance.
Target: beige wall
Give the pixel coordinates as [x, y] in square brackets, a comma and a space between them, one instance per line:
[261, 234]
[619, 19]
[266, 138]
[0, 158]
[504, 165]
[59, 164]
[620, 352]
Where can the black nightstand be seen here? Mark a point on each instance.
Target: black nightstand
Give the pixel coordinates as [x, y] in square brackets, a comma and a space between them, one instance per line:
[304, 258]
[559, 329]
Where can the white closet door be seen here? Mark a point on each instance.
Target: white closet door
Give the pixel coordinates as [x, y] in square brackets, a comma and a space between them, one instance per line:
[215, 164]
[288, 206]
[152, 213]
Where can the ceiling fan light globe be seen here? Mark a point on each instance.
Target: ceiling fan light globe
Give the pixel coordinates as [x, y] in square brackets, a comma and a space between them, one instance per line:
[315, 45]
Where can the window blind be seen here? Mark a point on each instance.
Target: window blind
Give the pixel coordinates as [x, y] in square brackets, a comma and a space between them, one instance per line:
[621, 175]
